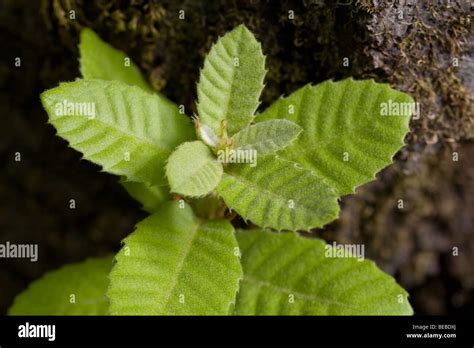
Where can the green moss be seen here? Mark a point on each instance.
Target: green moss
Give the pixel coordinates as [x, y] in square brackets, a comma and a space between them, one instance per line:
[417, 52]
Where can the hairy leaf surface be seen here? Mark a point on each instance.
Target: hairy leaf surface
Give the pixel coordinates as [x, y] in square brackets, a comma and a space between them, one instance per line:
[285, 274]
[175, 264]
[346, 139]
[87, 281]
[192, 170]
[279, 194]
[266, 137]
[131, 133]
[99, 60]
[231, 81]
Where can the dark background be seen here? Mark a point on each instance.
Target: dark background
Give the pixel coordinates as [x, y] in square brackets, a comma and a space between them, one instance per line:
[410, 44]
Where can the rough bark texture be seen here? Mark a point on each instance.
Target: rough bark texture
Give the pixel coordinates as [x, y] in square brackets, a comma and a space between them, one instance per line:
[421, 47]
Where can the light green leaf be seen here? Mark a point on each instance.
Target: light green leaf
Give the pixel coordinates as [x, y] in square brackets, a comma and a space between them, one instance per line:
[51, 294]
[285, 274]
[192, 170]
[175, 264]
[124, 129]
[151, 197]
[346, 139]
[278, 194]
[99, 60]
[231, 81]
[266, 137]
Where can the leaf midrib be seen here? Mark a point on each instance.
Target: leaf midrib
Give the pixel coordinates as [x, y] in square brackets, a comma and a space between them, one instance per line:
[163, 150]
[270, 193]
[232, 78]
[180, 266]
[230, 91]
[307, 297]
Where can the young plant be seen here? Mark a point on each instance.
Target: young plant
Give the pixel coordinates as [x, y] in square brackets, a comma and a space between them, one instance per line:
[283, 170]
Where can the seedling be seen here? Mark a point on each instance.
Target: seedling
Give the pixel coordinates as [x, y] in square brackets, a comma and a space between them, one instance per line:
[282, 170]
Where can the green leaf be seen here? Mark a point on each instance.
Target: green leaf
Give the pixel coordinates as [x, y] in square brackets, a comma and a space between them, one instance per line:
[267, 137]
[151, 197]
[125, 130]
[192, 170]
[278, 194]
[231, 81]
[99, 60]
[175, 264]
[285, 274]
[343, 120]
[87, 281]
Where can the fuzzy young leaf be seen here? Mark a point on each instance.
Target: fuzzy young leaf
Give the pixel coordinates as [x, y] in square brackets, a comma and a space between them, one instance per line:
[151, 197]
[285, 274]
[346, 139]
[126, 130]
[99, 60]
[278, 194]
[192, 170]
[74, 289]
[266, 137]
[175, 264]
[231, 81]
